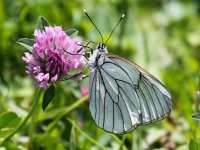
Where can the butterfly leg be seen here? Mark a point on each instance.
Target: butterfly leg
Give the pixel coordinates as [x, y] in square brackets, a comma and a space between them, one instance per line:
[73, 76]
[84, 77]
[76, 54]
[86, 46]
[77, 75]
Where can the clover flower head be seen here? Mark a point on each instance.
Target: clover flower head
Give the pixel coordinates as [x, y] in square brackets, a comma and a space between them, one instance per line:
[54, 54]
[198, 94]
[84, 90]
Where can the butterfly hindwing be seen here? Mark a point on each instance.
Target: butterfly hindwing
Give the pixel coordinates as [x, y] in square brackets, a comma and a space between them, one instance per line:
[123, 95]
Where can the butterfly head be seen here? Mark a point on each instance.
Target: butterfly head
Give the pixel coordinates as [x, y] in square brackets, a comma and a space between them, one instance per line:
[97, 54]
[101, 47]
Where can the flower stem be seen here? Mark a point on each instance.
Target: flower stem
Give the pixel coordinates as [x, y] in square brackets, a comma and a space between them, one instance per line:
[32, 126]
[87, 136]
[62, 112]
[37, 95]
[120, 142]
[137, 139]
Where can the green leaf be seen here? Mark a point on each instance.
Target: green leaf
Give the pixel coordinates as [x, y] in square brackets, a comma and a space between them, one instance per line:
[9, 120]
[72, 32]
[27, 43]
[42, 22]
[196, 116]
[9, 144]
[66, 133]
[48, 95]
[193, 145]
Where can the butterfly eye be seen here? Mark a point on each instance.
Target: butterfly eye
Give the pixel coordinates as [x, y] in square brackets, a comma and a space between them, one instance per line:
[100, 46]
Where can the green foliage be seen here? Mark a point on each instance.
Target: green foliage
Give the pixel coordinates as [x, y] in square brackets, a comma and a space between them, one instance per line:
[8, 122]
[196, 116]
[48, 96]
[163, 37]
[42, 23]
[72, 32]
[193, 145]
[27, 43]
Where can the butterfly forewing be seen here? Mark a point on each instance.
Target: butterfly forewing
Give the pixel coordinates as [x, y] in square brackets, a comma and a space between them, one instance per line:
[123, 95]
[155, 100]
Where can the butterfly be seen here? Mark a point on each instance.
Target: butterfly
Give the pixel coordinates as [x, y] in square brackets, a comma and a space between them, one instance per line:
[124, 96]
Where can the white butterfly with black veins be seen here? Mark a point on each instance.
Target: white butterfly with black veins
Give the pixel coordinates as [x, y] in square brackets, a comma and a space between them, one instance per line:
[122, 94]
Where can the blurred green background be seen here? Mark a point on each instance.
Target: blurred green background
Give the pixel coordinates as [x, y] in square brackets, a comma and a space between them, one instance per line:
[161, 36]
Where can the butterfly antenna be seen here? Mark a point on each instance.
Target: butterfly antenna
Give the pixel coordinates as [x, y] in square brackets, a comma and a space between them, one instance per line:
[122, 17]
[94, 25]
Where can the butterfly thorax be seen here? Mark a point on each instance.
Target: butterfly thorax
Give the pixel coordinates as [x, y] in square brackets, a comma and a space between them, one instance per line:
[100, 51]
